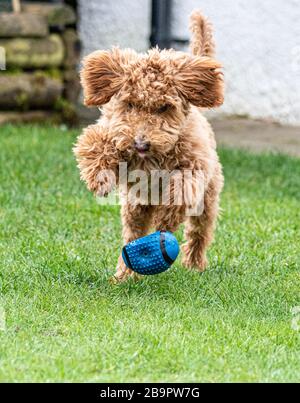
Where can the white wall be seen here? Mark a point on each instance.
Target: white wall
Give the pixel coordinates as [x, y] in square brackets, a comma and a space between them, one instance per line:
[104, 23]
[258, 42]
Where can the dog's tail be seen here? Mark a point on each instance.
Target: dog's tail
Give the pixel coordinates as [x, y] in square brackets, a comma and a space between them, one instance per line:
[202, 43]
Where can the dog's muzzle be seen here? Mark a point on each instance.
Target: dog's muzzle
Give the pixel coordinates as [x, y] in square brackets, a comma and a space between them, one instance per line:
[141, 146]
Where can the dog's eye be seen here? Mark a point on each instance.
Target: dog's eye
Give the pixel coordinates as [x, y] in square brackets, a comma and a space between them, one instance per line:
[163, 109]
[130, 106]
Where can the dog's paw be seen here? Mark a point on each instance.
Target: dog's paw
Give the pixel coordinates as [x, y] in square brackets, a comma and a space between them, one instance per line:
[103, 190]
[106, 182]
[192, 260]
[123, 276]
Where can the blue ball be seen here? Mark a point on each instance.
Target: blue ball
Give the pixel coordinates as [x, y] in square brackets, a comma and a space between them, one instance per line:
[152, 254]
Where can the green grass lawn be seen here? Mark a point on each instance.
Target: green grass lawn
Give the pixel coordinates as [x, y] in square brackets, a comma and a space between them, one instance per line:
[65, 322]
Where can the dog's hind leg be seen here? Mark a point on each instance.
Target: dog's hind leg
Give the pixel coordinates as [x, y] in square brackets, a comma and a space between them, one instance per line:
[199, 230]
[136, 221]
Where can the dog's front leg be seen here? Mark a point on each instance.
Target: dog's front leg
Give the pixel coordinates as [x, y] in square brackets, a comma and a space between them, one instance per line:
[136, 221]
[97, 160]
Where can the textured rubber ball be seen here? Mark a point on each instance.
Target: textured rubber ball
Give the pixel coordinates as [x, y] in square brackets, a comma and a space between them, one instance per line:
[152, 254]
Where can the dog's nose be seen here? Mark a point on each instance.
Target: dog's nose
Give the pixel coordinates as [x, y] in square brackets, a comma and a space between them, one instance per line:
[142, 146]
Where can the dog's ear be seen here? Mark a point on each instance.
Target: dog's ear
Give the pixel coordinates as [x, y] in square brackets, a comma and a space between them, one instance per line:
[102, 76]
[200, 81]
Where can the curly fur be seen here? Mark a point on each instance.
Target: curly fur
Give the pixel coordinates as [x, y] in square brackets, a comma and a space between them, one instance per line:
[154, 98]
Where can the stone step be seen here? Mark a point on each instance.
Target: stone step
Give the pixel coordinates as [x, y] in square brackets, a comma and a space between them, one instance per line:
[30, 117]
[57, 15]
[22, 25]
[34, 52]
[24, 91]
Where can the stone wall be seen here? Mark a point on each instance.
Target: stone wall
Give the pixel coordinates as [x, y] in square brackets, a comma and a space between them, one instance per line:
[42, 51]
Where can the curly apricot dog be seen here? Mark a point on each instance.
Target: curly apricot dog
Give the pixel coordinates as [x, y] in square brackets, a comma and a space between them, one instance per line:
[151, 119]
